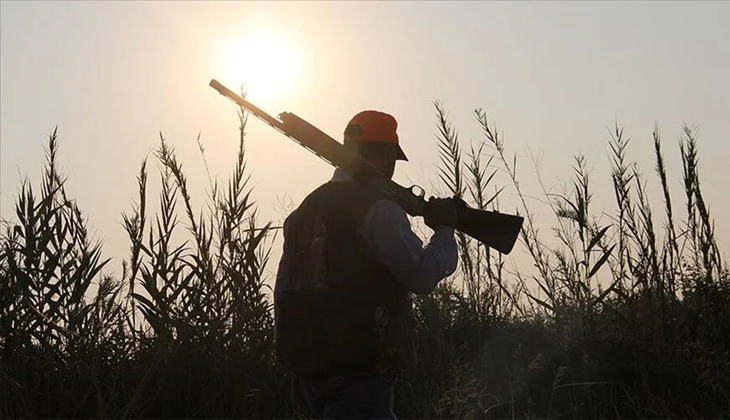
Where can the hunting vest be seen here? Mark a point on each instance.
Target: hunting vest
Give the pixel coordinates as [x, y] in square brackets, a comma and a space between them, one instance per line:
[340, 311]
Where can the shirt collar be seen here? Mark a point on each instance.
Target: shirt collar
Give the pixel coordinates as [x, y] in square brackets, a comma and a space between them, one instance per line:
[340, 175]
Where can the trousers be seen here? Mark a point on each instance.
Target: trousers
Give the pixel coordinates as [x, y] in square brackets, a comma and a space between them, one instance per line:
[351, 397]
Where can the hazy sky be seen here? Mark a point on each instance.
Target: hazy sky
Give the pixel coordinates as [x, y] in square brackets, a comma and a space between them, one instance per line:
[554, 77]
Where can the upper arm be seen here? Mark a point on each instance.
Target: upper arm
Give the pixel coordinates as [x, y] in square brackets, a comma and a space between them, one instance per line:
[388, 232]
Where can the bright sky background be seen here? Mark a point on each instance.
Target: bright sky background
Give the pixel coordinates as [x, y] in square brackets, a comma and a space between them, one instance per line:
[554, 77]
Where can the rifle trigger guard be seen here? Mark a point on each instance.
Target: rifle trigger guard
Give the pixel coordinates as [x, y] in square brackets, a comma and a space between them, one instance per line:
[417, 191]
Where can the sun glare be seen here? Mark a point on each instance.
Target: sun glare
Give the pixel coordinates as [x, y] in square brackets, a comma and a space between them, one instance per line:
[264, 63]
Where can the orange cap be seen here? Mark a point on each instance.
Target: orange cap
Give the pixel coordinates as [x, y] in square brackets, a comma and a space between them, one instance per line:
[376, 127]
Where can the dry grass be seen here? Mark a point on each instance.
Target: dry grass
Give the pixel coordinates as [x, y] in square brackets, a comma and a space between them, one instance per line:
[625, 314]
[620, 319]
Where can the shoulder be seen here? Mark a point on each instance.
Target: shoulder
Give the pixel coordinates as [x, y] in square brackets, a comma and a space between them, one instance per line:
[315, 195]
[388, 206]
[384, 210]
[313, 199]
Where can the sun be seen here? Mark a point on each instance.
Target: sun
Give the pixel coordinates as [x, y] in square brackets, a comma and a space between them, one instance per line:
[264, 62]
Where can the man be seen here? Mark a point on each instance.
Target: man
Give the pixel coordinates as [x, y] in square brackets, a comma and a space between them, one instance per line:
[344, 321]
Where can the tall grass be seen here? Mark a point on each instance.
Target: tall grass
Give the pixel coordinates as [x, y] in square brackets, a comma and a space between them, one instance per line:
[621, 318]
[622, 313]
[185, 331]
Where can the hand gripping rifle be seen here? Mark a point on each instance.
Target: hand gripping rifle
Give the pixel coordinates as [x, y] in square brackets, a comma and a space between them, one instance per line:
[495, 230]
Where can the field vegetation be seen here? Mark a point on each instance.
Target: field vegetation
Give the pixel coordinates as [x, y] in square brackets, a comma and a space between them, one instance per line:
[623, 314]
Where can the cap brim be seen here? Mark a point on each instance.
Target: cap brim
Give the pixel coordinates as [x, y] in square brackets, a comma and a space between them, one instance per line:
[401, 155]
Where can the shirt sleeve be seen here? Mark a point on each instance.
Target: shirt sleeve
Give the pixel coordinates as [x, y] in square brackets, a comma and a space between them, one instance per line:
[387, 230]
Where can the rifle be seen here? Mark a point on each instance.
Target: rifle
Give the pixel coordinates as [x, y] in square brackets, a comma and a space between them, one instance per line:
[495, 230]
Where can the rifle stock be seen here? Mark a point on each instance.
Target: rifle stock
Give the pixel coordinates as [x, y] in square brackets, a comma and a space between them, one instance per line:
[493, 229]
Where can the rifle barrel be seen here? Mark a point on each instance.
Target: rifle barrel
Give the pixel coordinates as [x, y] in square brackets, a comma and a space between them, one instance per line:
[256, 111]
[496, 230]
